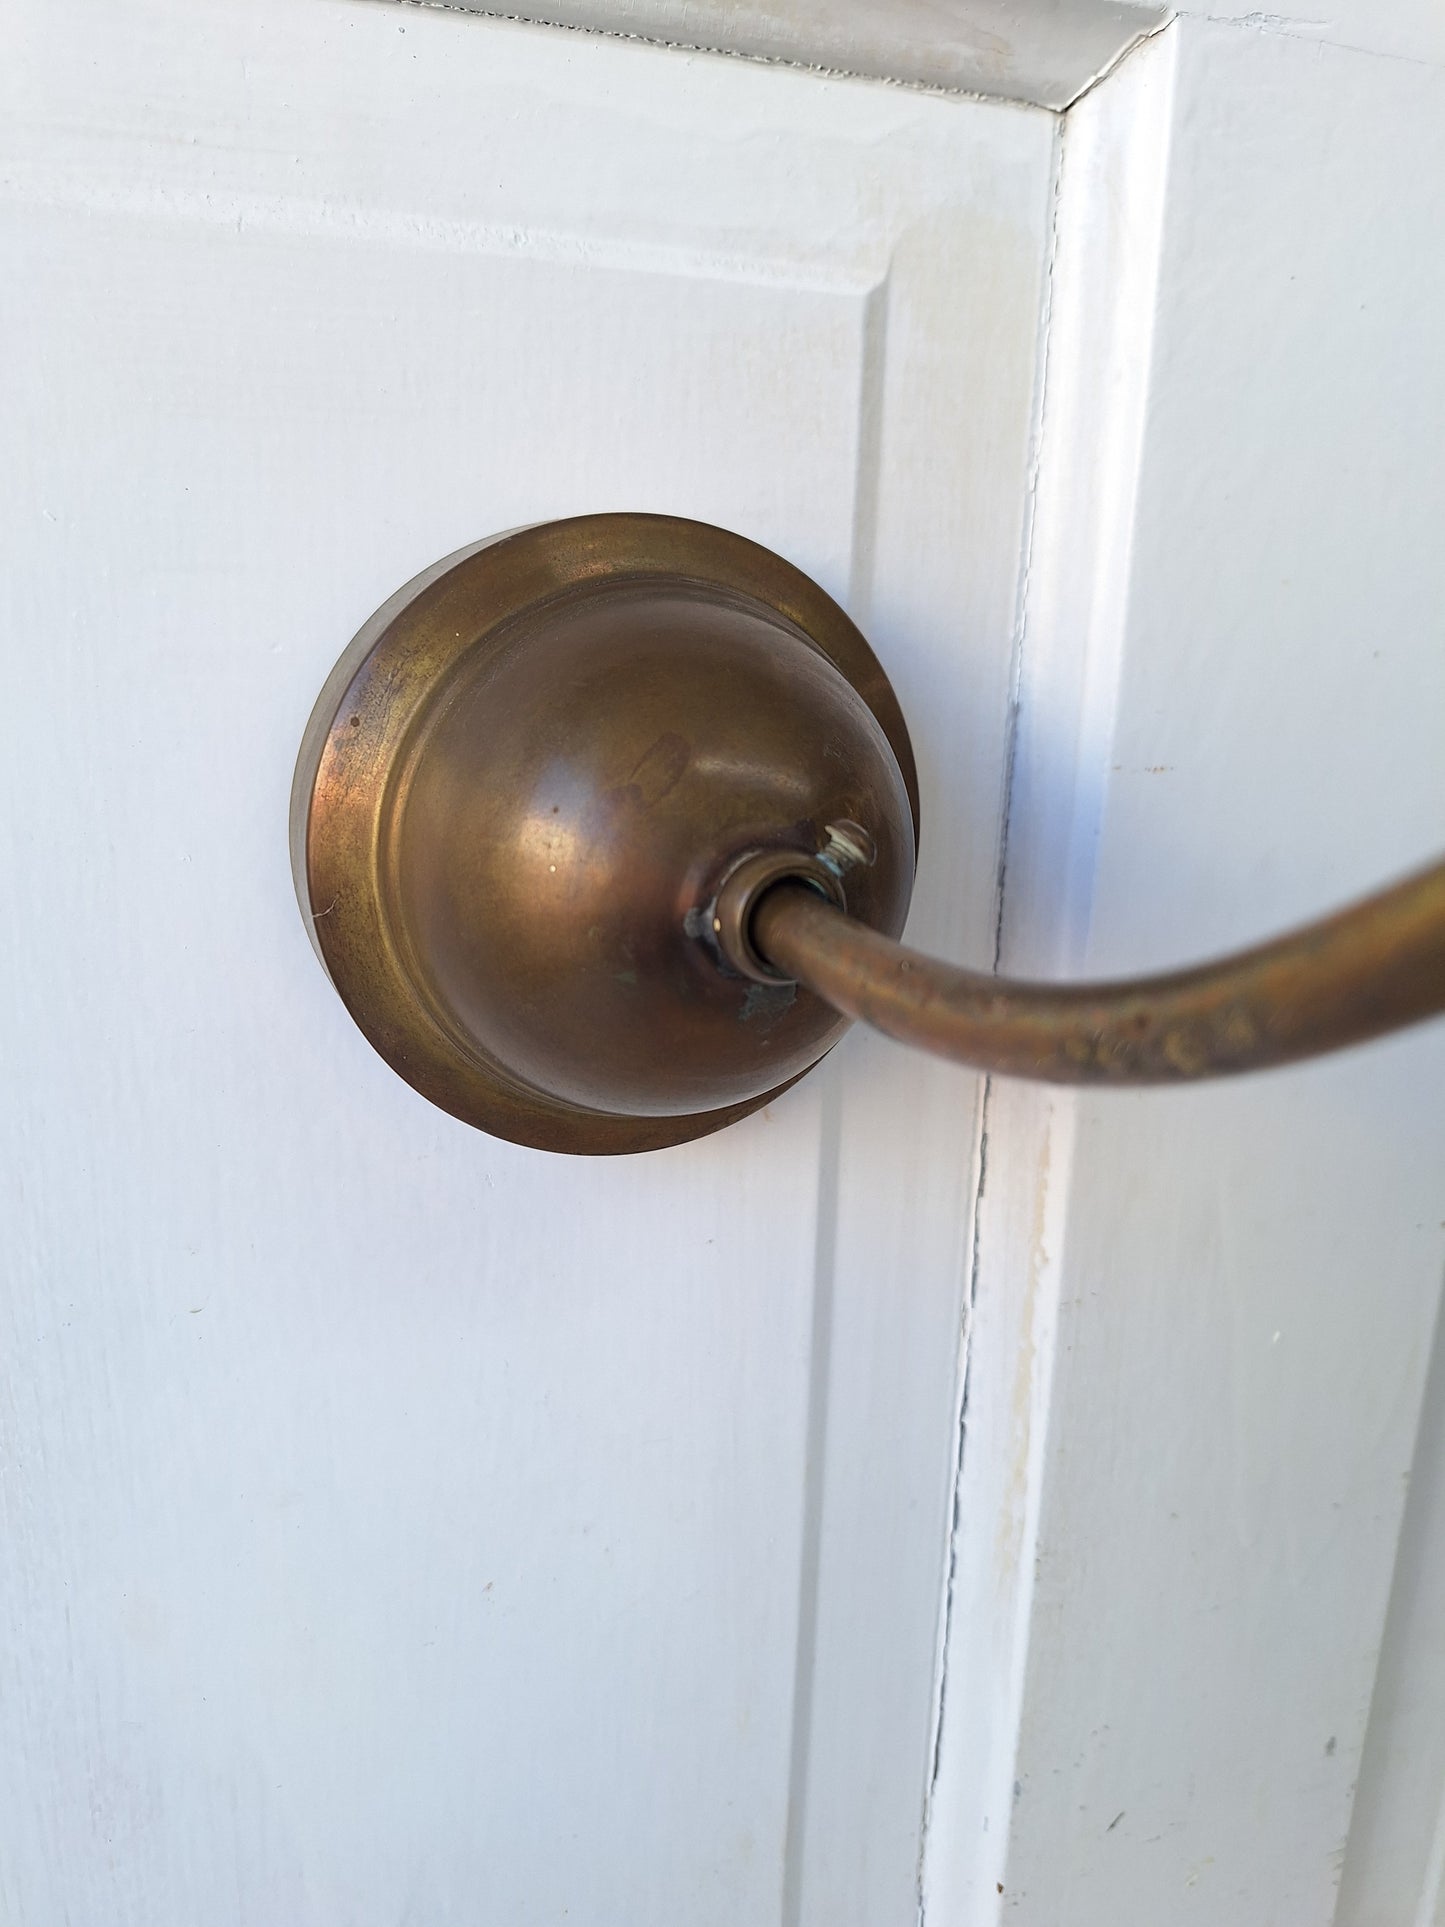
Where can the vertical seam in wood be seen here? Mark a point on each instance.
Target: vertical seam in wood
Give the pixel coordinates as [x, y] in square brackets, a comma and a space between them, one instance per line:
[863, 550]
[1036, 433]
[815, 1450]
[1369, 1848]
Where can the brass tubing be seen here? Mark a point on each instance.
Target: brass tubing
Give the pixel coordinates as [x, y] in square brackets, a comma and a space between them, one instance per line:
[1373, 967]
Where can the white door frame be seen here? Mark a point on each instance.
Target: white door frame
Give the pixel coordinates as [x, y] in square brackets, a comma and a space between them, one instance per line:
[1200, 1325]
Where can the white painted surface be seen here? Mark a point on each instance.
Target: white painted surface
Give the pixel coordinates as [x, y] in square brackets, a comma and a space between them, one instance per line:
[1048, 52]
[1201, 1321]
[1395, 1864]
[402, 1526]
[1398, 29]
[1100, 318]
[1042, 51]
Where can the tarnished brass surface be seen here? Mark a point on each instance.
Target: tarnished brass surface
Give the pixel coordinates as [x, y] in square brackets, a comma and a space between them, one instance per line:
[1372, 968]
[521, 791]
[742, 889]
[604, 829]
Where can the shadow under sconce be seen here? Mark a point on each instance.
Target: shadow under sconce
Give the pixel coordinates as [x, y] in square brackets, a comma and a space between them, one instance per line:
[605, 830]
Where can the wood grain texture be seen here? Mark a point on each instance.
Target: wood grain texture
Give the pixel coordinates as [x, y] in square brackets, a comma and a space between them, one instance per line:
[402, 1526]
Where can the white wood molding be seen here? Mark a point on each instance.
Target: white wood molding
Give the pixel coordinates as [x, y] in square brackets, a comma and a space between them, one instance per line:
[1398, 29]
[1201, 1322]
[1046, 53]
[1394, 1870]
[596, 1569]
[1104, 271]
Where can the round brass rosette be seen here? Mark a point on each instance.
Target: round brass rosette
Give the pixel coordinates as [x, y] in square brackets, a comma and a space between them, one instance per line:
[539, 797]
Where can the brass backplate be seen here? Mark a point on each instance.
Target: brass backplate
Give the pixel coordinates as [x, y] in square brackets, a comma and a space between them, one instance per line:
[394, 732]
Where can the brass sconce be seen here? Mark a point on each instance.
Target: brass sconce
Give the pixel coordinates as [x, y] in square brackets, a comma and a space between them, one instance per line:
[605, 830]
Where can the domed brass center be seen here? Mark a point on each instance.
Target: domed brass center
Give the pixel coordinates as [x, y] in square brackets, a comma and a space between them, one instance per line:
[533, 775]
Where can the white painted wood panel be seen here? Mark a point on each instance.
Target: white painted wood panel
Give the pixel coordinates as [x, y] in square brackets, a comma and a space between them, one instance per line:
[1394, 1869]
[1399, 29]
[1201, 1321]
[1049, 52]
[402, 1526]
[1044, 51]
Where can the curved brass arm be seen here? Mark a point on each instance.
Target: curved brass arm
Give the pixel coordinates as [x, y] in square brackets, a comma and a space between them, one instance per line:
[1371, 968]
[580, 801]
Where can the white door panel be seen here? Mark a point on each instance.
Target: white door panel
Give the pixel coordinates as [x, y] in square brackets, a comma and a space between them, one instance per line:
[401, 1525]
[404, 1526]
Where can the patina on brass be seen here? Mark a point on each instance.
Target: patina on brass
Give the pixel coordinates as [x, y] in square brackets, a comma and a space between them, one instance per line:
[524, 791]
[605, 829]
[1372, 968]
